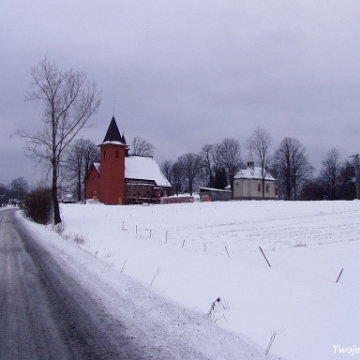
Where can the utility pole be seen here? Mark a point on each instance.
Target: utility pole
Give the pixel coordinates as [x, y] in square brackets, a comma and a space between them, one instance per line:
[356, 165]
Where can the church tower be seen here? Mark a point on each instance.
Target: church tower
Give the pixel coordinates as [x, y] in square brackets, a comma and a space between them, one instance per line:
[250, 162]
[112, 166]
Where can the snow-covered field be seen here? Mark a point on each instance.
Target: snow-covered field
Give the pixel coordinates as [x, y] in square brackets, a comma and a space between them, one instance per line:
[196, 253]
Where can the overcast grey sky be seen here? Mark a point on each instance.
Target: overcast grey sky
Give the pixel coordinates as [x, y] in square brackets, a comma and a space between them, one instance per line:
[182, 74]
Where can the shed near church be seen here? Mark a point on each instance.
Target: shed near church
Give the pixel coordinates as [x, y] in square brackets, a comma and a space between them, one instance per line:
[121, 178]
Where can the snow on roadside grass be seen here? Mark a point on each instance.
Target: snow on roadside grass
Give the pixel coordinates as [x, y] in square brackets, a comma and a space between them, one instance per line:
[195, 253]
[154, 322]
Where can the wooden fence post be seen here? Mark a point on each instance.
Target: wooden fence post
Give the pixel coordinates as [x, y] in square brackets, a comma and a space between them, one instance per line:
[264, 256]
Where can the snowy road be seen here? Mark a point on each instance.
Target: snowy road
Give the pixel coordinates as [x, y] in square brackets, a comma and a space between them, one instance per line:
[57, 301]
[45, 314]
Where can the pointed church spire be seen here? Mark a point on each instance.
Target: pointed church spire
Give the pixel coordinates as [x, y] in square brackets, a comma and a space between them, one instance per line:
[123, 138]
[113, 133]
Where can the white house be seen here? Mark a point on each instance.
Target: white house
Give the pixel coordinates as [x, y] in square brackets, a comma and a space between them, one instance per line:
[248, 183]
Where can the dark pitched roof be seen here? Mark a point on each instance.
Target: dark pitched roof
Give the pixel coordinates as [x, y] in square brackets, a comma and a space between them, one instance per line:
[113, 133]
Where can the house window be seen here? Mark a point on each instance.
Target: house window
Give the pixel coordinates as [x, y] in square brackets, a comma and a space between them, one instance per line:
[267, 188]
[117, 154]
[94, 178]
[104, 155]
[259, 187]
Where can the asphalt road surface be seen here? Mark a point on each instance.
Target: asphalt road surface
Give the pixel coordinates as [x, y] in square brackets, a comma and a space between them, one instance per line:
[44, 313]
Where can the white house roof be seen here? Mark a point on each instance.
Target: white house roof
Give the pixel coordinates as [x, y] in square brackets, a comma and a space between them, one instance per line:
[144, 168]
[253, 173]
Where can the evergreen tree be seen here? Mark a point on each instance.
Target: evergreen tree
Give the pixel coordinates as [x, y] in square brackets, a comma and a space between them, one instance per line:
[220, 181]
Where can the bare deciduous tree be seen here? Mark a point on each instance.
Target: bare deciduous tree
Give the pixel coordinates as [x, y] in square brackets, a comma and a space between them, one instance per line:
[81, 155]
[330, 172]
[69, 99]
[230, 158]
[19, 187]
[166, 169]
[259, 144]
[177, 176]
[210, 156]
[293, 167]
[191, 167]
[141, 147]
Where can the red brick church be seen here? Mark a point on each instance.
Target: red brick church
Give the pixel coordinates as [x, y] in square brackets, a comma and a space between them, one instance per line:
[122, 178]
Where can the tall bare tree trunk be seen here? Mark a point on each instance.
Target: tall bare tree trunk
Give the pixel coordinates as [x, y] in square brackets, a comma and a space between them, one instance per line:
[56, 209]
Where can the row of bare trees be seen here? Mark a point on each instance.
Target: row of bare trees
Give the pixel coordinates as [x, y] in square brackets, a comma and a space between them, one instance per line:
[14, 192]
[337, 179]
[294, 174]
[216, 166]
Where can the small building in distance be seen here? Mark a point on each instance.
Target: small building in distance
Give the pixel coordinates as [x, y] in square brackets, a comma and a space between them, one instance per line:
[177, 199]
[212, 194]
[248, 183]
[121, 178]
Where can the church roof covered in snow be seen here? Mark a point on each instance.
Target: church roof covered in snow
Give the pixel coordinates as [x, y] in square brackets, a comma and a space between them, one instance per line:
[144, 168]
[141, 168]
[254, 173]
